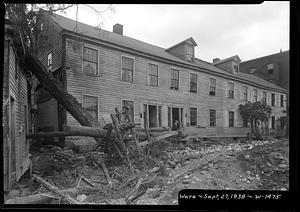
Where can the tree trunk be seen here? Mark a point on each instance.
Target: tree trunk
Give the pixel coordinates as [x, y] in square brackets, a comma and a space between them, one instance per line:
[56, 89]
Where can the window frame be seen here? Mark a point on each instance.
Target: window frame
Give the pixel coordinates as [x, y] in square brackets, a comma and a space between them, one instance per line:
[133, 67]
[84, 60]
[171, 79]
[212, 124]
[252, 70]
[270, 69]
[50, 65]
[83, 105]
[273, 100]
[149, 74]
[264, 98]
[230, 124]
[195, 84]
[214, 87]
[273, 122]
[230, 92]
[255, 93]
[193, 109]
[281, 100]
[189, 56]
[245, 95]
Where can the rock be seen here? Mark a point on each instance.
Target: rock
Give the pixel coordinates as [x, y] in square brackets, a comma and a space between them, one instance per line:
[283, 189]
[147, 201]
[155, 169]
[172, 164]
[120, 201]
[81, 197]
[283, 166]
[247, 156]
[153, 192]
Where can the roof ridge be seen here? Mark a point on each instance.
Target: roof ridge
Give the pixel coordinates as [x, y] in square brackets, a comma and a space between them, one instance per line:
[100, 29]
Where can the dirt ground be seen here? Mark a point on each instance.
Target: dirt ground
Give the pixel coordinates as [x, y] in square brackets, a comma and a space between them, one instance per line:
[190, 164]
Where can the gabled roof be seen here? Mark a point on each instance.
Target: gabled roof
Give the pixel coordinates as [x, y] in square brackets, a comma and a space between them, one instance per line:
[235, 57]
[188, 41]
[70, 25]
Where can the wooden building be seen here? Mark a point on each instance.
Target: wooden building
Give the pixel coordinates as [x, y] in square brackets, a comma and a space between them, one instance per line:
[104, 70]
[15, 115]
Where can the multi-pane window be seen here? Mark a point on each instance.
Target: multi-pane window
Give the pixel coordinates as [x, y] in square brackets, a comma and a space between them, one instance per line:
[127, 69]
[153, 75]
[230, 90]
[273, 122]
[236, 69]
[90, 104]
[255, 95]
[245, 93]
[130, 105]
[264, 99]
[245, 123]
[174, 79]
[281, 100]
[193, 116]
[270, 68]
[190, 53]
[90, 61]
[231, 118]
[193, 82]
[212, 87]
[212, 118]
[273, 99]
[49, 62]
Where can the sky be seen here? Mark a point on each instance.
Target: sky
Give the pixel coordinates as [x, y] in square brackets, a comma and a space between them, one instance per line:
[221, 31]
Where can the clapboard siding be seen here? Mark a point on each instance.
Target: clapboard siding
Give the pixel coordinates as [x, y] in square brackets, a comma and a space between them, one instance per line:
[109, 88]
[18, 91]
[53, 44]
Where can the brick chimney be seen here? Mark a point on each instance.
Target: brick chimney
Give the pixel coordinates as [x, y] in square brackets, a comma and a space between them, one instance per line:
[118, 28]
[215, 60]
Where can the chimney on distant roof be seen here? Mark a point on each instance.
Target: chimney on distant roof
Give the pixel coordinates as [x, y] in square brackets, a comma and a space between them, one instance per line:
[215, 60]
[118, 28]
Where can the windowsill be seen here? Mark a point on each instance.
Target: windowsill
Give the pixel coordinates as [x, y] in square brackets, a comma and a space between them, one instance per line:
[126, 82]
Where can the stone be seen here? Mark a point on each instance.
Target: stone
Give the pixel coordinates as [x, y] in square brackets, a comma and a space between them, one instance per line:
[147, 201]
[247, 156]
[120, 201]
[81, 197]
[283, 166]
[153, 192]
[283, 189]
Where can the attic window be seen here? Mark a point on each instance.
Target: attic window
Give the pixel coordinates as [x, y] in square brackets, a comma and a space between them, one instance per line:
[270, 68]
[236, 69]
[189, 53]
[252, 70]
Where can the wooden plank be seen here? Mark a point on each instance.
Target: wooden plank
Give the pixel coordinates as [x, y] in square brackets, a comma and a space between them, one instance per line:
[54, 189]
[165, 135]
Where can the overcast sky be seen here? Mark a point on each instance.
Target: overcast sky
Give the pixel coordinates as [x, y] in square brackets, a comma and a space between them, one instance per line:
[222, 31]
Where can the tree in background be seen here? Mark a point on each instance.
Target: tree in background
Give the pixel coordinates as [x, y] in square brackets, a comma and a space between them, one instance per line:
[253, 112]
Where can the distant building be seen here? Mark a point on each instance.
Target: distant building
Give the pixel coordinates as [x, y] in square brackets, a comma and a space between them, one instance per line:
[274, 68]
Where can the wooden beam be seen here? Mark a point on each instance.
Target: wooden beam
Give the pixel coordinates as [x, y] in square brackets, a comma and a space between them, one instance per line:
[55, 190]
[160, 137]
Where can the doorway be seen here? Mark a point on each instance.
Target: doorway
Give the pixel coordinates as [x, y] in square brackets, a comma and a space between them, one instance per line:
[152, 116]
[175, 113]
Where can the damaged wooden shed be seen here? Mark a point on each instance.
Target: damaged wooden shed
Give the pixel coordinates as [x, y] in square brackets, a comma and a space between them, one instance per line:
[16, 117]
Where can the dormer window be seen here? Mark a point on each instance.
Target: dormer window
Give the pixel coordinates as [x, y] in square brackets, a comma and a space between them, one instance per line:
[189, 53]
[236, 69]
[270, 68]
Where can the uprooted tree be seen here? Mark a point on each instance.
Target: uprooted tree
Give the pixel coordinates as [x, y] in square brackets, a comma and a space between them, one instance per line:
[24, 18]
[252, 112]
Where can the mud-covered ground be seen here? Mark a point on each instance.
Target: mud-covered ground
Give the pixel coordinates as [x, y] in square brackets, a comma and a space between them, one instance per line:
[194, 164]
